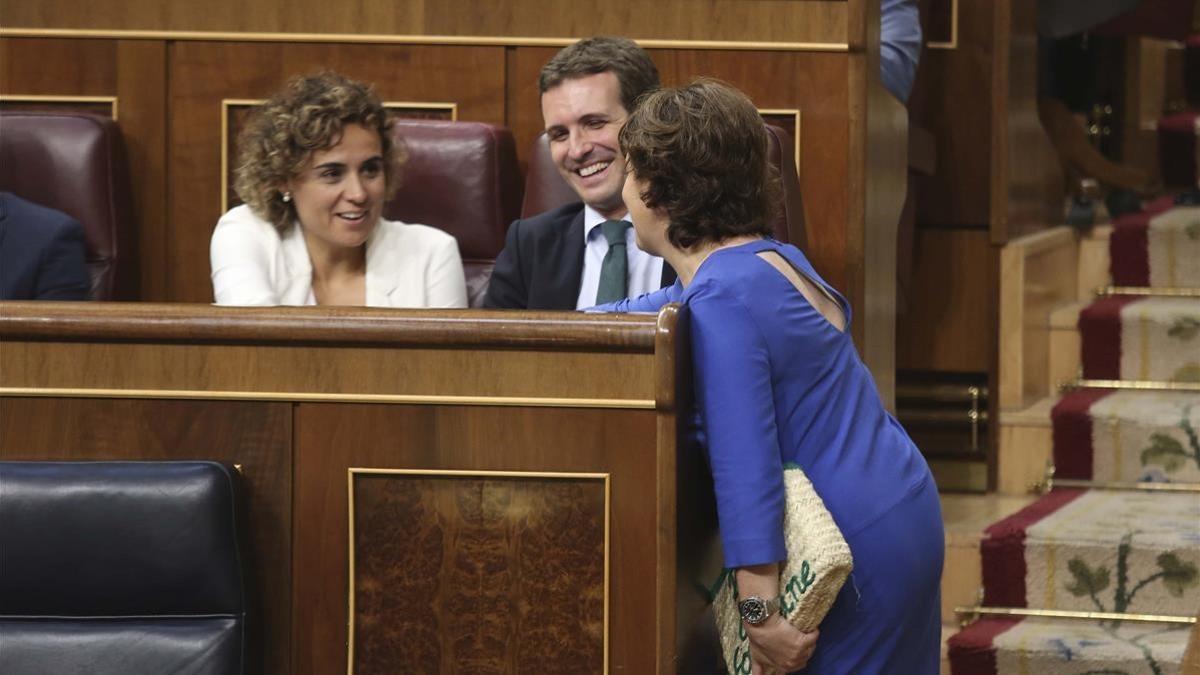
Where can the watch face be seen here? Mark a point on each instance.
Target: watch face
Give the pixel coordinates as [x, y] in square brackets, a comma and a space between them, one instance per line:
[753, 610]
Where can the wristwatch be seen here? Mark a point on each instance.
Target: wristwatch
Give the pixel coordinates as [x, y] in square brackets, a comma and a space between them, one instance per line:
[755, 610]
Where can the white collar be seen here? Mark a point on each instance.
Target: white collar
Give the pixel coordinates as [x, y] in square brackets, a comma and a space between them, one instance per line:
[592, 219]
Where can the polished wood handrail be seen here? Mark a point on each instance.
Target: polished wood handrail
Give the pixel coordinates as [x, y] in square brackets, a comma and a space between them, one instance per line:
[161, 322]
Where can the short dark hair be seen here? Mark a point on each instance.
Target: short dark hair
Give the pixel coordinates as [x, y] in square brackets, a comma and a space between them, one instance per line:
[701, 151]
[635, 72]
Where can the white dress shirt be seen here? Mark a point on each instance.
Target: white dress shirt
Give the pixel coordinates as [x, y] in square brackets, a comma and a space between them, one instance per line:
[407, 265]
[645, 270]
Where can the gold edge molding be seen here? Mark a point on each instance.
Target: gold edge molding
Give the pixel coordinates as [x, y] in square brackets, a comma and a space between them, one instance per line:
[351, 472]
[1151, 291]
[460, 40]
[1049, 482]
[1069, 614]
[795, 113]
[112, 101]
[1141, 385]
[227, 103]
[319, 397]
[953, 43]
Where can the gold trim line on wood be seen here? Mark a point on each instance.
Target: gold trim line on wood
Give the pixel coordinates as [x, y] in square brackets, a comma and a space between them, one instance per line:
[351, 472]
[1068, 614]
[112, 101]
[953, 43]
[227, 102]
[1150, 291]
[480, 472]
[1137, 385]
[320, 397]
[459, 40]
[795, 113]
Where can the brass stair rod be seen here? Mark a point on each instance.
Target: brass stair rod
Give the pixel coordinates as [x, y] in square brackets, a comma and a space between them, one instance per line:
[1049, 482]
[1159, 291]
[1069, 614]
[1138, 385]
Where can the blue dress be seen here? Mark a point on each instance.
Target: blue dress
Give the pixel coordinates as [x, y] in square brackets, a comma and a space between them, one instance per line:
[776, 383]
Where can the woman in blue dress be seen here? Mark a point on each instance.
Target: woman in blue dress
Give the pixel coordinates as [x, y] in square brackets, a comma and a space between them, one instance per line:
[778, 380]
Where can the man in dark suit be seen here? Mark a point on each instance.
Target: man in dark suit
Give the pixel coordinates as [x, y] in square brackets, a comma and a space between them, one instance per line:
[583, 253]
[41, 253]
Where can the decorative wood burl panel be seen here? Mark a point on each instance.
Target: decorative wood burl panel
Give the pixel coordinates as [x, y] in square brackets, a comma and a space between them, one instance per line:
[478, 573]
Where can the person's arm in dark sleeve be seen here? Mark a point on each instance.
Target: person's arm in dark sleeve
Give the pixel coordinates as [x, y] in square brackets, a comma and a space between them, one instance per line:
[62, 272]
[507, 288]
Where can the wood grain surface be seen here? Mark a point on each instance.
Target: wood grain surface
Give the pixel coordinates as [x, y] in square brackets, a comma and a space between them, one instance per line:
[758, 20]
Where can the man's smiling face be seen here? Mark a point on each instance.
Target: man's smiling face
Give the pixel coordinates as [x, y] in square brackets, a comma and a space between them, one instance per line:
[583, 116]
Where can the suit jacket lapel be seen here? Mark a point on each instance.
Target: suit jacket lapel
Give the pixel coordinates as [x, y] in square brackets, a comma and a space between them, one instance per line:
[3, 215]
[296, 272]
[668, 275]
[382, 266]
[564, 266]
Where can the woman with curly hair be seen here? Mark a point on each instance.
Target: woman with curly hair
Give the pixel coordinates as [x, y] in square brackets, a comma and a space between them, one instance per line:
[778, 381]
[316, 165]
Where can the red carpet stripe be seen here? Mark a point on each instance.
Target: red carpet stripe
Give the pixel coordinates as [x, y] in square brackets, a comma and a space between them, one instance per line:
[1128, 246]
[1003, 549]
[1072, 428]
[1100, 337]
[1129, 250]
[970, 650]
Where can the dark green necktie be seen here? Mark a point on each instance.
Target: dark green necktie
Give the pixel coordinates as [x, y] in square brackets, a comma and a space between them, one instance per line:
[614, 271]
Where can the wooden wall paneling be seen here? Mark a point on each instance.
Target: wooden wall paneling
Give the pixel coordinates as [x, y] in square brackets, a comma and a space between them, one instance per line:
[523, 101]
[142, 88]
[952, 98]
[331, 438]
[257, 436]
[58, 66]
[951, 327]
[878, 170]
[757, 20]
[203, 74]
[1028, 187]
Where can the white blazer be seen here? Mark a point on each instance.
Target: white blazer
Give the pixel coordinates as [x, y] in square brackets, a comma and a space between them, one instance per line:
[407, 265]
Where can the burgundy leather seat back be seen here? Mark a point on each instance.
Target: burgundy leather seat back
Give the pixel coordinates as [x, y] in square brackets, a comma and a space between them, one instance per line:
[545, 188]
[75, 163]
[461, 177]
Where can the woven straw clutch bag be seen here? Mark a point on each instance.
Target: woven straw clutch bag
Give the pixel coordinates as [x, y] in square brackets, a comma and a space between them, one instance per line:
[817, 565]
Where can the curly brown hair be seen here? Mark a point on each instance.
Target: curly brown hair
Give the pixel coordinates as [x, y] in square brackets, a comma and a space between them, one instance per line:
[701, 151]
[622, 57]
[307, 115]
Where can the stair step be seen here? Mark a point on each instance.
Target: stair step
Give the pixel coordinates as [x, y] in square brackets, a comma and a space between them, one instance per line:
[1064, 345]
[1128, 436]
[965, 516]
[1159, 247]
[1147, 339]
[1025, 447]
[1097, 550]
[1004, 646]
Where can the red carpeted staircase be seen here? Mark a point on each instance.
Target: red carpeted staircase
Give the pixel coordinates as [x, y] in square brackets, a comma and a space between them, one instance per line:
[1095, 549]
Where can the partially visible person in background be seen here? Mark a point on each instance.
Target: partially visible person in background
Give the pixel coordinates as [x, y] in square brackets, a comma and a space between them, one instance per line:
[316, 166]
[41, 253]
[899, 46]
